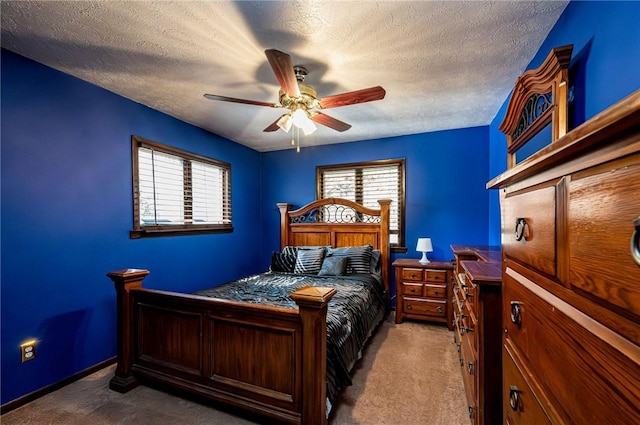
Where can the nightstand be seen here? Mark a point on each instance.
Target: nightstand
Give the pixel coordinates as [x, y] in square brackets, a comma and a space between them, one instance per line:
[423, 290]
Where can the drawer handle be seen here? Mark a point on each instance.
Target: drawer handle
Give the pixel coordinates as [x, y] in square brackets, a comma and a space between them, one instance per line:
[514, 398]
[439, 309]
[412, 275]
[522, 229]
[516, 313]
[409, 307]
[413, 289]
[435, 293]
[468, 330]
[470, 368]
[461, 362]
[471, 412]
[458, 347]
[635, 242]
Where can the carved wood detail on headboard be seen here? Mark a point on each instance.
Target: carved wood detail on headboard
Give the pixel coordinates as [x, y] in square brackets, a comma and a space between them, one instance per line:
[540, 97]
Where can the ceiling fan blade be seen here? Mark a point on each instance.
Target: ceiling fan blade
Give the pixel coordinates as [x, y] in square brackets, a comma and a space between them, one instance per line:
[283, 69]
[274, 125]
[330, 122]
[236, 100]
[353, 97]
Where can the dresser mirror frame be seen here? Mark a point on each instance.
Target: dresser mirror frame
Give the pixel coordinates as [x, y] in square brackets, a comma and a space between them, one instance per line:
[539, 100]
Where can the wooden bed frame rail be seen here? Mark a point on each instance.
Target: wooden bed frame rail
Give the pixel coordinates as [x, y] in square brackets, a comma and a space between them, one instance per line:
[203, 346]
[262, 359]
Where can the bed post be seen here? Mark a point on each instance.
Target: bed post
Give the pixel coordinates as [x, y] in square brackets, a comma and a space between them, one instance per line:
[124, 281]
[385, 205]
[284, 224]
[312, 305]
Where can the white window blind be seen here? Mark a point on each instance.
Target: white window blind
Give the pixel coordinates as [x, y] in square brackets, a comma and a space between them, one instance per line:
[177, 190]
[366, 183]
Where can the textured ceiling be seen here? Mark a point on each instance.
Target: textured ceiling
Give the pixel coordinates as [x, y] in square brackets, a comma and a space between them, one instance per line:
[444, 65]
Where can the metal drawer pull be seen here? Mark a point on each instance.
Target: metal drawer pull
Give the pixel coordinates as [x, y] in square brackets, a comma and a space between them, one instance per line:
[516, 313]
[458, 347]
[470, 368]
[409, 307]
[439, 309]
[413, 289]
[522, 229]
[471, 411]
[514, 397]
[635, 241]
[461, 362]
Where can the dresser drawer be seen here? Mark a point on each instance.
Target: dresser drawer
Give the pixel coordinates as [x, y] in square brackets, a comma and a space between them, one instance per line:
[567, 350]
[533, 215]
[425, 307]
[521, 406]
[412, 274]
[414, 289]
[603, 204]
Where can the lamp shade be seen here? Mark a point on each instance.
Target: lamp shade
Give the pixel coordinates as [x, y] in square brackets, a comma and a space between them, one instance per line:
[424, 245]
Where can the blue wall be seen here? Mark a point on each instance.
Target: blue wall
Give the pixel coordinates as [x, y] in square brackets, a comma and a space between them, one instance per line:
[67, 211]
[445, 176]
[604, 69]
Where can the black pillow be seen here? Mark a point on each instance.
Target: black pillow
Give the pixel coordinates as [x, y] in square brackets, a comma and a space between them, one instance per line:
[282, 262]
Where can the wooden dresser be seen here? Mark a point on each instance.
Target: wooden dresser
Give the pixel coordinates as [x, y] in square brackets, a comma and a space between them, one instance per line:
[423, 290]
[571, 278]
[477, 325]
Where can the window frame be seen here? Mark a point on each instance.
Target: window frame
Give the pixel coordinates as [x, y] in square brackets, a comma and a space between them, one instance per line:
[154, 230]
[401, 162]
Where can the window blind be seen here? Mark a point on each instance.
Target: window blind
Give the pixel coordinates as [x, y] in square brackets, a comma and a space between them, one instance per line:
[177, 189]
[366, 183]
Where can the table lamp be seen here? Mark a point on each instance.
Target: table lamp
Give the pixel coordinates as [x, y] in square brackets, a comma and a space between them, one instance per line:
[424, 246]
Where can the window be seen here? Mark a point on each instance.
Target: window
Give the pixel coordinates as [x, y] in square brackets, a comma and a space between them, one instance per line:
[177, 192]
[365, 183]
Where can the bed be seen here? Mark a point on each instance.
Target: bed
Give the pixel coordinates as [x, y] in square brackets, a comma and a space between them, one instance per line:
[275, 355]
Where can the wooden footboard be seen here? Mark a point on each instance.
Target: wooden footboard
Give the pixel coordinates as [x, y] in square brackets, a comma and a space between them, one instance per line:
[267, 360]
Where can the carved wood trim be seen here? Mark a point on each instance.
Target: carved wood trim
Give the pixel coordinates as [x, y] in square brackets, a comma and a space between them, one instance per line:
[551, 77]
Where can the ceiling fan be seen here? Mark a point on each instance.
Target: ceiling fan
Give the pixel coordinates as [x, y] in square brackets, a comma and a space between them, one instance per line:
[302, 99]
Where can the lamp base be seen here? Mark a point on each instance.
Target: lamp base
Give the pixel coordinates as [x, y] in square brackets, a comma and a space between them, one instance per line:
[424, 259]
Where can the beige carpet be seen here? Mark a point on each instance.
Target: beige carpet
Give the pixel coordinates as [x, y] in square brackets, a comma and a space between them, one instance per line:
[409, 374]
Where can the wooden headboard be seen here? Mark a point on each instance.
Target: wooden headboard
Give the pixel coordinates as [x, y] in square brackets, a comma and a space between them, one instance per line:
[540, 97]
[338, 222]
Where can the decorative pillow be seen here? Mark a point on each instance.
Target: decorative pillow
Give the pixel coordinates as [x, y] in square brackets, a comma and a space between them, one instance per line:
[333, 266]
[376, 267]
[359, 257]
[309, 261]
[281, 262]
[293, 250]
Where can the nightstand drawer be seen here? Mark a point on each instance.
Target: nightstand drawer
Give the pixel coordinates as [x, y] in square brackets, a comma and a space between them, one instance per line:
[424, 307]
[436, 275]
[435, 291]
[414, 289]
[412, 274]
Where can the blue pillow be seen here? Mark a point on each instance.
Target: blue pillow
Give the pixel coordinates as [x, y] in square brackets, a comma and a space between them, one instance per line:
[333, 266]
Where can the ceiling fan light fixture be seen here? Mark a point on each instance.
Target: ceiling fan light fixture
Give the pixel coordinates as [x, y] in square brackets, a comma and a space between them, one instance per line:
[285, 122]
[301, 120]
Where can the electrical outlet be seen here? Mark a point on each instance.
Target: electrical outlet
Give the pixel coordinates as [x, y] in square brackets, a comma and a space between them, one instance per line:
[28, 350]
